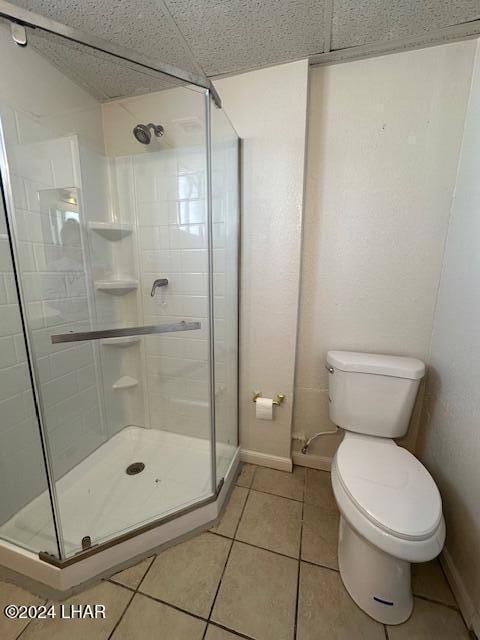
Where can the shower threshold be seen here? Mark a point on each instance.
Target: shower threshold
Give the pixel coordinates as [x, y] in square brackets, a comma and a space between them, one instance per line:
[99, 501]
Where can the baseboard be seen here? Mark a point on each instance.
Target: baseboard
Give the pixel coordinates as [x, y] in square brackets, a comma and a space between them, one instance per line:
[311, 460]
[467, 608]
[266, 460]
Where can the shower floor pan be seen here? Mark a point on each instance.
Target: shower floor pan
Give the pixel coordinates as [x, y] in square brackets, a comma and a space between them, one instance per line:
[100, 500]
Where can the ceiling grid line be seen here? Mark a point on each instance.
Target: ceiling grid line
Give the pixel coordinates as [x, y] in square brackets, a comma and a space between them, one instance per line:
[328, 22]
[433, 38]
[176, 29]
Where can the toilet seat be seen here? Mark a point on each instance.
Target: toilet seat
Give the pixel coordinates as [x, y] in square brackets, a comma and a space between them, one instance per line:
[396, 508]
[390, 486]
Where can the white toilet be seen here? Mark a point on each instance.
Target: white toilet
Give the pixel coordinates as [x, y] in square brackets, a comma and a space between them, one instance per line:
[391, 510]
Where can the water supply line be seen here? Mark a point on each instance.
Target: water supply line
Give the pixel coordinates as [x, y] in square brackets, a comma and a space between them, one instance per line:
[315, 436]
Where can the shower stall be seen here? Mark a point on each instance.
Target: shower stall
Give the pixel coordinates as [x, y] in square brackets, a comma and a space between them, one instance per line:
[119, 233]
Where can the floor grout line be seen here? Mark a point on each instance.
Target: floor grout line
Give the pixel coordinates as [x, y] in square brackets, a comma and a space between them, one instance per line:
[135, 591]
[28, 623]
[277, 495]
[277, 553]
[115, 626]
[235, 633]
[229, 552]
[295, 624]
[442, 604]
[386, 632]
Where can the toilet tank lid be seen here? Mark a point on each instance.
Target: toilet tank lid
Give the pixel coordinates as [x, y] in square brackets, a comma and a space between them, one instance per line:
[396, 366]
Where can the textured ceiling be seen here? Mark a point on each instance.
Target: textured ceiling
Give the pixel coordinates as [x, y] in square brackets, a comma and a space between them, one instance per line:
[101, 74]
[230, 36]
[355, 23]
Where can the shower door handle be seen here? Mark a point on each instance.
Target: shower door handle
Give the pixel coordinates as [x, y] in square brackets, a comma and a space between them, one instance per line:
[79, 336]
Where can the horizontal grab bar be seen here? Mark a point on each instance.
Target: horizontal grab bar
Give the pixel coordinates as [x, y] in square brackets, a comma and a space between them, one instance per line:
[124, 332]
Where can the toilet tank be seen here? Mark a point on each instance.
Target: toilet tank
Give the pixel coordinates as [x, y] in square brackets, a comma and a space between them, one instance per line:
[371, 393]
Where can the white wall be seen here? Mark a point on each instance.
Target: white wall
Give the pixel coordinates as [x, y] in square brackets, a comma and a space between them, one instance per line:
[268, 110]
[449, 442]
[383, 143]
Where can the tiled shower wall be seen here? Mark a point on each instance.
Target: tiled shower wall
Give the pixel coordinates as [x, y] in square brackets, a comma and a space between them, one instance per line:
[167, 192]
[55, 288]
[168, 189]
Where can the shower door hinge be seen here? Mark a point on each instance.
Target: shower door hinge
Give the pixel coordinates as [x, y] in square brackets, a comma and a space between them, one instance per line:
[19, 34]
[86, 542]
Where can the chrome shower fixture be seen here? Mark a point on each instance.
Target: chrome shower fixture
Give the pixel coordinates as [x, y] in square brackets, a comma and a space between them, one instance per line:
[142, 132]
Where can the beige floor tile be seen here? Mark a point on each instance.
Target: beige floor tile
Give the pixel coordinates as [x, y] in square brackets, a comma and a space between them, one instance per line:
[430, 621]
[245, 477]
[132, 576]
[187, 575]
[325, 610]
[430, 582]
[320, 536]
[281, 483]
[258, 593]
[216, 633]
[231, 513]
[146, 619]
[271, 522]
[115, 599]
[11, 594]
[318, 489]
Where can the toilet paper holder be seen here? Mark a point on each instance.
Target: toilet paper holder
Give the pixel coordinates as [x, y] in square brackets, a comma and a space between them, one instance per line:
[277, 401]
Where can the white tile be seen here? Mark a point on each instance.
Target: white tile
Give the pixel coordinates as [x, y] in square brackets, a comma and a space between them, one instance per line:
[194, 261]
[5, 259]
[13, 380]
[10, 324]
[3, 290]
[155, 213]
[195, 284]
[154, 238]
[18, 188]
[31, 161]
[59, 389]
[13, 411]
[60, 154]
[195, 305]
[192, 236]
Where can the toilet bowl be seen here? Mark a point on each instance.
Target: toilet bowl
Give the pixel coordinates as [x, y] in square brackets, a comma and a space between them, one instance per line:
[391, 516]
[390, 507]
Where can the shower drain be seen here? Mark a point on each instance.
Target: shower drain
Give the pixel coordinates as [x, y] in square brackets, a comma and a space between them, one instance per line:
[134, 468]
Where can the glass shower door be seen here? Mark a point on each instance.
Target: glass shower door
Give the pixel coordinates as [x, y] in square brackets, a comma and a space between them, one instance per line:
[111, 244]
[225, 198]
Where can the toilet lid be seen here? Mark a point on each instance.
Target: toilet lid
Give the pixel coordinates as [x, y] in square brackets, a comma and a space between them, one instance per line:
[390, 486]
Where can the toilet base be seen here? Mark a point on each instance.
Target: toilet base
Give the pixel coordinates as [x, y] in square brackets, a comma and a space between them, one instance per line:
[379, 583]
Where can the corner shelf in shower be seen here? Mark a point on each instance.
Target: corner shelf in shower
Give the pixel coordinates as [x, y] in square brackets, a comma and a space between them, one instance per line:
[125, 382]
[122, 343]
[116, 287]
[112, 231]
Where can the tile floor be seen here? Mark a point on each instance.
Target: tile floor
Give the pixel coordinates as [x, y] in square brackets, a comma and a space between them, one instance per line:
[266, 571]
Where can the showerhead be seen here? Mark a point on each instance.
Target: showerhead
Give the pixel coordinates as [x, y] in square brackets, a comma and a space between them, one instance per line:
[143, 134]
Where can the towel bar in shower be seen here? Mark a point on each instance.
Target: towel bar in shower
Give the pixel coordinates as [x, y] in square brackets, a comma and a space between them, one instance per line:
[78, 336]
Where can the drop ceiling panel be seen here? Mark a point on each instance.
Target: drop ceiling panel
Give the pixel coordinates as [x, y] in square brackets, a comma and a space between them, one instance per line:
[355, 23]
[142, 25]
[231, 35]
[101, 74]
